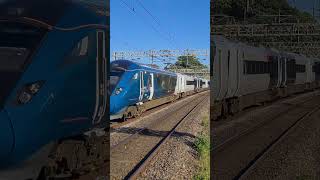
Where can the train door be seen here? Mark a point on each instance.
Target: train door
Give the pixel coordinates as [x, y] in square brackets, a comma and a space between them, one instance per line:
[239, 72]
[283, 72]
[101, 82]
[233, 71]
[141, 88]
[151, 85]
[179, 84]
[274, 72]
[228, 73]
[83, 96]
[196, 86]
[145, 79]
[291, 71]
[280, 72]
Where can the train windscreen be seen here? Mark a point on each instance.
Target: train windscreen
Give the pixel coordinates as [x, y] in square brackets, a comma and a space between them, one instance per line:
[117, 68]
[17, 43]
[115, 77]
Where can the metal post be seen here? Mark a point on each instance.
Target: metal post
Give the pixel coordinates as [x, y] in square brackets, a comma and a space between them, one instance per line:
[187, 58]
[151, 58]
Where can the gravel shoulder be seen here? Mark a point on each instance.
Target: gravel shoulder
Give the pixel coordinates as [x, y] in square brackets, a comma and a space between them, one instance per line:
[236, 155]
[296, 157]
[178, 158]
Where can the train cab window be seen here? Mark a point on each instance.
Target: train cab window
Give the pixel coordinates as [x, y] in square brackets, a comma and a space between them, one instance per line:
[81, 49]
[135, 76]
[12, 59]
[17, 42]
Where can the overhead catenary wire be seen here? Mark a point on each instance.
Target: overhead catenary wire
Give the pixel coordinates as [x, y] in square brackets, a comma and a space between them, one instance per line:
[155, 19]
[147, 23]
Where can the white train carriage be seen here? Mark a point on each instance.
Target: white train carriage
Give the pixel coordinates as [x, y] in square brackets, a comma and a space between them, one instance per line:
[255, 75]
[222, 67]
[180, 85]
[186, 85]
[202, 84]
[239, 71]
[245, 75]
[198, 84]
[300, 68]
[190, 86]
[297, 73]
[205, 84]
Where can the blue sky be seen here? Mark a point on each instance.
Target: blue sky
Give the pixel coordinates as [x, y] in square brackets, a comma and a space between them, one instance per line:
[304, 5]
[173, 24]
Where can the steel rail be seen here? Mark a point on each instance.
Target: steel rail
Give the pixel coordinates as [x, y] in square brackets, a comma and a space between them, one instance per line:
[141, 166]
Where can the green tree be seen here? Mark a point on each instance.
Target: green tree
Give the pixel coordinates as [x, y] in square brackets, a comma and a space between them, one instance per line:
[190, 61]
[236, 8]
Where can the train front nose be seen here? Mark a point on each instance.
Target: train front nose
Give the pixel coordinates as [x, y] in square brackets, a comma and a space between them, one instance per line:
[6, 137]
[114, 104]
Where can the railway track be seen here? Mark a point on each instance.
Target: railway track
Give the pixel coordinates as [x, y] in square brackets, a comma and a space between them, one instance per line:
[246, 172]
[234, 157]
[154, 122]
[118, 123]
[131, 156]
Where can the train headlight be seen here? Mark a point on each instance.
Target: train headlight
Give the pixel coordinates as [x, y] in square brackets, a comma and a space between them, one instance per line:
[24, 97]
[28, 91]
[118, 91]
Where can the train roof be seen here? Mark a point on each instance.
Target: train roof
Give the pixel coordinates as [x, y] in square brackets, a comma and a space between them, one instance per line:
[130, 65]
[51, 11]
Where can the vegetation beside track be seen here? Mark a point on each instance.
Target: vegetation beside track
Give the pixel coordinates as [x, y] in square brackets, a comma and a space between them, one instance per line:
[202, 145]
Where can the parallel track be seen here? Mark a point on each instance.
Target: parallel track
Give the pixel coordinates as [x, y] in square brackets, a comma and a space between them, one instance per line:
[118, 124]
[245, 172]
[148, 125]
[141, 166]
[132, 155]
[246, 133]
[249, 130]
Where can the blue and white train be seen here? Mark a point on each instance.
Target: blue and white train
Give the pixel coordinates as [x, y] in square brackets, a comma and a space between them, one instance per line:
[53, 80]
[136, 88]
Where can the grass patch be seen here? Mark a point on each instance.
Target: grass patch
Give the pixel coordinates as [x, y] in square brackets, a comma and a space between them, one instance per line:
[304, 177]
[202, 145]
